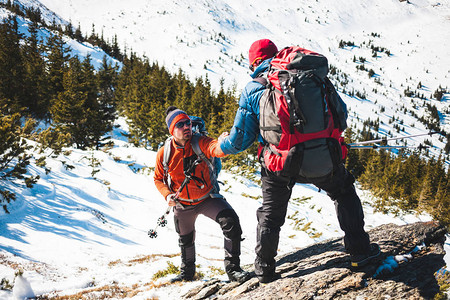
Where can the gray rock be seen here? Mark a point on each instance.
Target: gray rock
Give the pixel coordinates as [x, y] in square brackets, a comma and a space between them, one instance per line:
[322, 271]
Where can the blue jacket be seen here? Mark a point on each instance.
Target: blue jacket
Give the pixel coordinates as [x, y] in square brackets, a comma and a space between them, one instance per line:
[246, 122]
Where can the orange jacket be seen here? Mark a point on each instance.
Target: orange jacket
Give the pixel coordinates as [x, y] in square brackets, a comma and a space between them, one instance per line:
[192, 190]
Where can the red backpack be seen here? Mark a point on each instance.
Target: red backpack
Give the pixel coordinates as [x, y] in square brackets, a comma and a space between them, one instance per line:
[301, 116]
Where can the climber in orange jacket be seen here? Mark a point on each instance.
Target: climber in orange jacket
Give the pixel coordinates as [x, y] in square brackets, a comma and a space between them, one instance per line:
[199, 196]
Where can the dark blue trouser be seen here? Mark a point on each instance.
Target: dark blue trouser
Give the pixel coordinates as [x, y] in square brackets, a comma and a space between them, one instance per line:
[271, 215]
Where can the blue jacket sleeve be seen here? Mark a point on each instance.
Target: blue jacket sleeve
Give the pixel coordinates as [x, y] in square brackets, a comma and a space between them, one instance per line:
[246, 122]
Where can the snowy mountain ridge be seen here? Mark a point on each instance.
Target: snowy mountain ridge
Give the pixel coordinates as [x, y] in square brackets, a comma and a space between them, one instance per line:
[191, 34]
[48, 15]
[387, 54]
[80, 49]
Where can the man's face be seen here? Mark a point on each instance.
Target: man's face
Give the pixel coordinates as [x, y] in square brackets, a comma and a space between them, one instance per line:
[182, 131]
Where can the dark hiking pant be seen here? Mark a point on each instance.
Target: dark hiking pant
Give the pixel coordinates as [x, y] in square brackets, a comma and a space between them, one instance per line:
[219, 210]
[271, 215]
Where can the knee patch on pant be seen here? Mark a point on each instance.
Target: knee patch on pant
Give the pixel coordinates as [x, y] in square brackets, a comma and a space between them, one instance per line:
[345, 190]
[229, 222]
[186, 240]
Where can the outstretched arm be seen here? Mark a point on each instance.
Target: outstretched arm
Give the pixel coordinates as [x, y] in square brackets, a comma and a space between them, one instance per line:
[210, 147]
[245, 129]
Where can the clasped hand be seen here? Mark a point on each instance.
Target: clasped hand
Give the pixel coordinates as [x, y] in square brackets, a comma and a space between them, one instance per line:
[171, 200]
[223, 136]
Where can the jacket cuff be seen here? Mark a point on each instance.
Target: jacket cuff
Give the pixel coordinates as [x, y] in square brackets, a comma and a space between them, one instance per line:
[227, 147]
[218, 152]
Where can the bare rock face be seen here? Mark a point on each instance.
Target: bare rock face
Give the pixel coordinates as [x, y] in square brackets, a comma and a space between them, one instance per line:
[411, 254]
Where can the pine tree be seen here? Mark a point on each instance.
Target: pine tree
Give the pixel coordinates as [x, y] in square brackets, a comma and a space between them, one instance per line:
[152, 108]
[351, 162]
[69, 30]
[122, 86]
[106, 81]
[55, 138]
[68, 109]
[440, 205]
[141, 95]
[115, 50]
[159, 81]
[129, 95]
[95, 126]
[200, 103]
[413, 170]
[78, 35]
[11, 66]
[81, 109]
[226, 111]
[58, 57]
[184, 91]
[14, 158]
[397, 184]
[425, 193]
[36, 98]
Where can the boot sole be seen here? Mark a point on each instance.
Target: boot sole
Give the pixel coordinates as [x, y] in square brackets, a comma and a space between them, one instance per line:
[366, 261]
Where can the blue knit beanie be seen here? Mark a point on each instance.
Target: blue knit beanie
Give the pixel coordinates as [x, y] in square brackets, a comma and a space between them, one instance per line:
[174, 115]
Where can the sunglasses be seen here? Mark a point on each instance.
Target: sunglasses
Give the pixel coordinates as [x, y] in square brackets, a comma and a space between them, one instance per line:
[181, 124]
[255, 63]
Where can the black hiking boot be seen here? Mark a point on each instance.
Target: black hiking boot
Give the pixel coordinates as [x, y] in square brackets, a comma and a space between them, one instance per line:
[182, 277]
[187, 272]
[360, 260]
[239, 275]
[265, 279]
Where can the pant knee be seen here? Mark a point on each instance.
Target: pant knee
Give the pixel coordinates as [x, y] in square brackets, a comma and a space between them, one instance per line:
[345, 191]
[273, 219]
[229, 222]
[186, 240]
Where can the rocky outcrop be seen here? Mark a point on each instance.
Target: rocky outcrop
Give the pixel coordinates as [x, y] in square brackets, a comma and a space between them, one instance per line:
[411, 256]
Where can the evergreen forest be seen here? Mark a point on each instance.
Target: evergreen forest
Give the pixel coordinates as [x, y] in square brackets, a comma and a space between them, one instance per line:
[50, 99]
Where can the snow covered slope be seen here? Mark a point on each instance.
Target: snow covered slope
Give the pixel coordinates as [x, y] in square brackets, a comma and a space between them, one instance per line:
[74, 232]
[211, 38]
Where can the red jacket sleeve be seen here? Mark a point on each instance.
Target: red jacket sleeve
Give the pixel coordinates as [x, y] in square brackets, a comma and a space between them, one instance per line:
[159, 175]
[210, 147]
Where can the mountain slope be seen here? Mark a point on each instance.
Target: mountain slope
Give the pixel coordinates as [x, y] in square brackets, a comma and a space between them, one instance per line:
[75, 232]
[77, 48]
[186, 33]
[405, 44]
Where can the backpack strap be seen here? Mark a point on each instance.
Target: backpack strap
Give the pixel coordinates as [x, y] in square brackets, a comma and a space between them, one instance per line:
[337, 105]
[212, 172]
[262, 79]
[296, 117]
[166, 156]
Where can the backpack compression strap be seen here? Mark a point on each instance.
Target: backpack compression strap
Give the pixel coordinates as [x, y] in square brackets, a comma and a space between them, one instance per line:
[212, 172]
[198, 152]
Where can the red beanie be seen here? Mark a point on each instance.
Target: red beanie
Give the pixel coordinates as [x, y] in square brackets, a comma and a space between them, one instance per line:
[261, 49]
